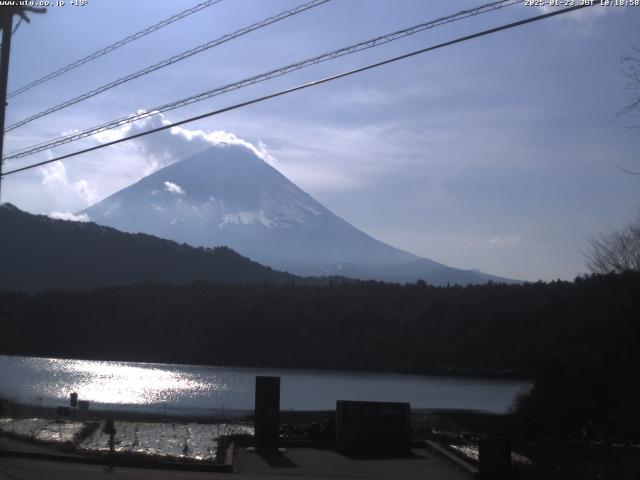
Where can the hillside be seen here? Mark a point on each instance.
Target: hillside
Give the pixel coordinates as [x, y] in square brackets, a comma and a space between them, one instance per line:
[38, 253]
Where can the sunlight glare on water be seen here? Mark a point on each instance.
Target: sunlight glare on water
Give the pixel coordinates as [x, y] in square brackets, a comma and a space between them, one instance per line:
[202, 390]
[113, 382]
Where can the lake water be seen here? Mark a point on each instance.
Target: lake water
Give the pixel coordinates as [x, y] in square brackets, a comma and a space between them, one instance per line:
[192, 389]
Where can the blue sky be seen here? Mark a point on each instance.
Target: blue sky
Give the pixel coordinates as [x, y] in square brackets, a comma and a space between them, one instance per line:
[498, 154]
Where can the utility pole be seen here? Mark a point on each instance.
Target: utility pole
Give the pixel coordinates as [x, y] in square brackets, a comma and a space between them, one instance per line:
[6, 23]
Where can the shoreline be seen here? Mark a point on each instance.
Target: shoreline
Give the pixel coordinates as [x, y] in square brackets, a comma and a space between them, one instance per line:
[449, 419]
[25, 410]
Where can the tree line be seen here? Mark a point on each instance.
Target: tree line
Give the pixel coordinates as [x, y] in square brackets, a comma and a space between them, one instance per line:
[415, 328]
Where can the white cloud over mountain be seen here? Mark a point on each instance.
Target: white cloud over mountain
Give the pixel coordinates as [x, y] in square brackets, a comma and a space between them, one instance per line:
[167, 146]
[174, 188]
[126, 163]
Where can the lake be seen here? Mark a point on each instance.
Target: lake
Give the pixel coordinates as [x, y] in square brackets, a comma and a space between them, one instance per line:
[193, 389]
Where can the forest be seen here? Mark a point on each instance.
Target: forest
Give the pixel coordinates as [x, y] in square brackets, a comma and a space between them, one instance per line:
[494, 329]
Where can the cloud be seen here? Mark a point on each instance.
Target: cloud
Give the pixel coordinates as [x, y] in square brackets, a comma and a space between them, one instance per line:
[85, 191]
[176, 143]
[68, 193]
[174, 188]
[83, 217]
[75, 184]
[218, 138]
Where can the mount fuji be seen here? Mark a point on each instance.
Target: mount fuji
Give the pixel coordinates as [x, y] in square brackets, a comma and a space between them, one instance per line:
[227, 195]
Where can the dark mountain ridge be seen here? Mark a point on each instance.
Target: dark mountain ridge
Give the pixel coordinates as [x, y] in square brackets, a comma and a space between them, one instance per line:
[38, 253]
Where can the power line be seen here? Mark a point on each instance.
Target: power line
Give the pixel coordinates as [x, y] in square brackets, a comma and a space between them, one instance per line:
[116, 45]
[262, 77]
[307, 85]
[170, 61]
[6, 21]
[367, 44]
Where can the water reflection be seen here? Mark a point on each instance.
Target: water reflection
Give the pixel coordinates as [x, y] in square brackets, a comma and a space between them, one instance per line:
[190, 389]
[122, 382]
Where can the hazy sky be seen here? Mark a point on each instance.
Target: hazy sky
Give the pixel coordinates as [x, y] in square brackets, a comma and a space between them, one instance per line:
[498, 154]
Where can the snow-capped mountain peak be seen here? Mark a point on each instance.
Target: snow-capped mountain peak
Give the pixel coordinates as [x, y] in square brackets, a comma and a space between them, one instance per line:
[227, 195]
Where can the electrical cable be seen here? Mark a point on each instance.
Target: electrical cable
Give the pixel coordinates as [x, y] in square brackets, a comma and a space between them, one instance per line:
[169, 61]
[367, 44]
[114, 46]
[307, 85]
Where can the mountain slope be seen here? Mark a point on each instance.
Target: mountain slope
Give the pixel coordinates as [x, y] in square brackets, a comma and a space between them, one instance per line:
[227, 195]
[38, 253]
